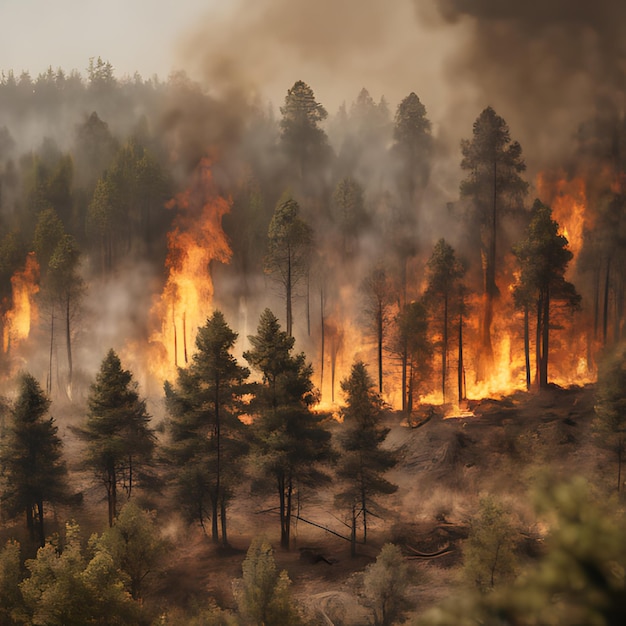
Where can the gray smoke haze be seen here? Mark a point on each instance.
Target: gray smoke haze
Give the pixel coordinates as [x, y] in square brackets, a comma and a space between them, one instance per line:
[543, 65]
[262, 47]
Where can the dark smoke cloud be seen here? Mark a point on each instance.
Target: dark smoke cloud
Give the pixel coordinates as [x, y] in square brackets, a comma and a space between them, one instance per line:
[545, 65]
[261, 47]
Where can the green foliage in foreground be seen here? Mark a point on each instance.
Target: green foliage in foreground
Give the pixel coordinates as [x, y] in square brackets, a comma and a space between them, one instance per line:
[262, 594]
[385, 585]
[579, 580]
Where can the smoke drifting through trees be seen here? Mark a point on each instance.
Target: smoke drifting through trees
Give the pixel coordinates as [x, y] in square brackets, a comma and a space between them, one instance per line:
[107, 128]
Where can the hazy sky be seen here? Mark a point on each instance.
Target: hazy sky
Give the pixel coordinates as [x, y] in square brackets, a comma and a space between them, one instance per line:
[134, 35]
[338, 47]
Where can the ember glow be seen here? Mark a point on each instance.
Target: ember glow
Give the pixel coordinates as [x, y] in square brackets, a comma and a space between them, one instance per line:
[196, 241]
[568, 199]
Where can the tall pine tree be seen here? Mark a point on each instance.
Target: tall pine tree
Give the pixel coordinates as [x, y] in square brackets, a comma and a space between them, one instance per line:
[33, 468]
[292, 440]
[119, 439]
[208, 439]
[363, 461]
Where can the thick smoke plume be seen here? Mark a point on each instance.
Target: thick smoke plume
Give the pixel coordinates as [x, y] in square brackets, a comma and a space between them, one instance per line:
[545, 65]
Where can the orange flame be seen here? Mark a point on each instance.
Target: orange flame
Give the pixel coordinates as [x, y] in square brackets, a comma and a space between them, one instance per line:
[568, 199]
[23, 313]
[196, 240]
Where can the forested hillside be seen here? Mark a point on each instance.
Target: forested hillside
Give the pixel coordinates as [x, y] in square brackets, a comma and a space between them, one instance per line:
[240, 337]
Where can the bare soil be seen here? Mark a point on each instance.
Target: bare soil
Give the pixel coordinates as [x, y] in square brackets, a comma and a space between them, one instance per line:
[445, 467]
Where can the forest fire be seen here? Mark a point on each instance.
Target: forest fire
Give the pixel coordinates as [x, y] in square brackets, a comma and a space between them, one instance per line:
[23, 314]
[196, 240]
[568, 199]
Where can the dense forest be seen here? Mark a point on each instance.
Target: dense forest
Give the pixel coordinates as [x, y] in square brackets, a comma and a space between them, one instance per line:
[234, 310]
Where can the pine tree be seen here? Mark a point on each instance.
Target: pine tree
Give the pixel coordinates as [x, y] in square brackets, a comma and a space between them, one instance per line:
[292, 440]
[412, 344]
[494, 187]
[34, 471]
[207, 436]
[120, 442]
[543, 257]
[385, 586]
[444, 297]
[412, 146]
[304, 142]
[363, 462]
[290, 241]
[262, 594]
[610, 422]
[67, 589]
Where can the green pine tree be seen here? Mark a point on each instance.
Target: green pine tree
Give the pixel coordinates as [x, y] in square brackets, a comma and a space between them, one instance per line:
[292, 442]
[363, 462]
[34, 471]
[207, 437]
[119, 440]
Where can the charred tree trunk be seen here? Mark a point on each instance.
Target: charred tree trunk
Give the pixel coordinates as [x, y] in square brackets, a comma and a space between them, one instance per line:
[545, 337]
[605, 312]
[353, 532]
[379, 336]
[218, 488]
[40, 524]
[322, 340]
[49, 381]
[444, 348]
[460, 367]
[538, 340]
[68, 341]
[112, 493]
[30, 521]
[527, 346]
[288, 289]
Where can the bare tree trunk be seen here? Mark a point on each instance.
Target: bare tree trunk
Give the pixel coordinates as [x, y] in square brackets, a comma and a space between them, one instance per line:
[49, 381]
[379, 334]
[353, 532]
[68, 340]
[538, 341]
[218, 495]
[460, 365]
[605, 312]
[288, 288]
[444, 348]
[323, 329]
[112, 494]
[185, 336]
[308, 303]
[527, 346]
[543, 381]
[42, 534]
[223, 518]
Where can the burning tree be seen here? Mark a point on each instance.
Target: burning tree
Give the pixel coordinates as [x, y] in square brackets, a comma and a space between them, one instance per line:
[207, 435]
[378, 293]
[413, 346]
[543, 257]
[494, 186]
[444, 296]
[412, 150]
[290, 241]
[292, 440]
